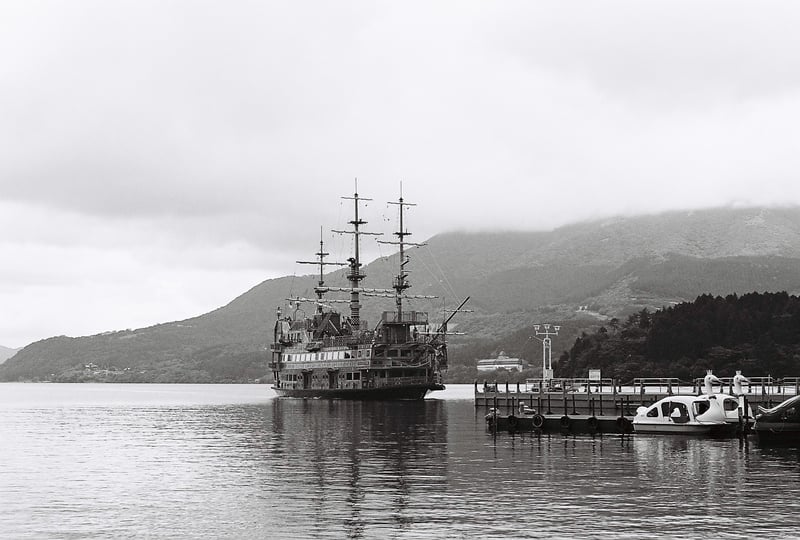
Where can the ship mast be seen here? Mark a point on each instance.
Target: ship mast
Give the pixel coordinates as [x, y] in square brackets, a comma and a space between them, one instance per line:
[400, 281]
[321, 262]
[355, 275]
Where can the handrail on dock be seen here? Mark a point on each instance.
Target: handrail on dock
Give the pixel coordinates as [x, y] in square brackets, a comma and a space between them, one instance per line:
[657, 384]
[536, 386]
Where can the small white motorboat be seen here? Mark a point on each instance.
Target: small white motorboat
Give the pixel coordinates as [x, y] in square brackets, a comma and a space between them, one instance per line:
[708, 413]
[681, 414]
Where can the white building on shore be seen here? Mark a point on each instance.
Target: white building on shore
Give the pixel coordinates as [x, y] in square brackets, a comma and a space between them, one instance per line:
[501, 362]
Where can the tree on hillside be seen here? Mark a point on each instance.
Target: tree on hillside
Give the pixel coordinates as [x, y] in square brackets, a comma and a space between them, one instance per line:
[757, 333]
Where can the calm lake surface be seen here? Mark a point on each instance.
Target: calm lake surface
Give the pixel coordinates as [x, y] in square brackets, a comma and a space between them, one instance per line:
[234, 461]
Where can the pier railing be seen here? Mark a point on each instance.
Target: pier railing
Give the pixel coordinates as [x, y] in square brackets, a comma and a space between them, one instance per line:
[608, 395]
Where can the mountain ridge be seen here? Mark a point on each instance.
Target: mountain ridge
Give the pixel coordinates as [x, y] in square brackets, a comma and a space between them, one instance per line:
[592, 270]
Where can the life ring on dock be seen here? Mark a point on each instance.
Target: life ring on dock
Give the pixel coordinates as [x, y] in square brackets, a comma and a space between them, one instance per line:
[565, 421]
[593, 423]
[538, 421]
[513, 422]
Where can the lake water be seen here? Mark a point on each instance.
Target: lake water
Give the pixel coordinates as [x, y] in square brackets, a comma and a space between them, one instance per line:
[234, 461]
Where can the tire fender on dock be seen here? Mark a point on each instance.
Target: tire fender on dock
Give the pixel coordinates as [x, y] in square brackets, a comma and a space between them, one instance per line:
[538, 421]
[513, 422]
[565, 421]
[593, 423]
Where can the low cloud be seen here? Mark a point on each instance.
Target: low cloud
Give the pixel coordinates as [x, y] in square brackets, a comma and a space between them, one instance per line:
[147, 143]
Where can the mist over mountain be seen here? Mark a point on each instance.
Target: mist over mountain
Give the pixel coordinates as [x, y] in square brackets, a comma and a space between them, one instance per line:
[579, 275]
[6, 353]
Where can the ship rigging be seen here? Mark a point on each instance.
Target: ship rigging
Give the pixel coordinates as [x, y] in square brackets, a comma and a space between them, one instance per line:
[336, 356]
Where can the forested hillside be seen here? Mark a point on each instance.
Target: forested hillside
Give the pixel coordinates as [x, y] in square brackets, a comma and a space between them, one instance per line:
[758, 333]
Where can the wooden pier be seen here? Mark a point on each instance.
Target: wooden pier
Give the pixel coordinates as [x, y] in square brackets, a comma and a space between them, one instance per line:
[607, 397]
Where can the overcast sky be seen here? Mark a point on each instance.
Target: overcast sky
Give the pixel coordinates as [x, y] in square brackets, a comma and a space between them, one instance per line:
[159, 158]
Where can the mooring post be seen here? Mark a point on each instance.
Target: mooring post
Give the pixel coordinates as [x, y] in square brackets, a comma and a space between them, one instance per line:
[601, 404]
[746, 408]
[573, 404]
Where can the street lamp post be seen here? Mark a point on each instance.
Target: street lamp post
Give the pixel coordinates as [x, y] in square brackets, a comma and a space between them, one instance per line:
[547, 359]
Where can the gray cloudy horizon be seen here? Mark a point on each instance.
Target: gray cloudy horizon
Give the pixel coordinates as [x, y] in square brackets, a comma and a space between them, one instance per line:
[159, 159]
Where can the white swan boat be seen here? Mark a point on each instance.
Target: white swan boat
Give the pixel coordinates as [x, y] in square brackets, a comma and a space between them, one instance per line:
[703, 414]
[681, 414]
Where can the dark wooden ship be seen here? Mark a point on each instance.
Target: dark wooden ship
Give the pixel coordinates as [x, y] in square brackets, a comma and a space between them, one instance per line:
[333, 355]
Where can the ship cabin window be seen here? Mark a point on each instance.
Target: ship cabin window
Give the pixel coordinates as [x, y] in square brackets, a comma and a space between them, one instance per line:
[353, 376]
[700, 407]
[653, 412]
[679, 414]
[677, 411]
[730, 405]
[665, 410]
[366, 353]
[288, 357]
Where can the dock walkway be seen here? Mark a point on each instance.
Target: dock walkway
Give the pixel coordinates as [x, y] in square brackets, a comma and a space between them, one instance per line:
[573, 397]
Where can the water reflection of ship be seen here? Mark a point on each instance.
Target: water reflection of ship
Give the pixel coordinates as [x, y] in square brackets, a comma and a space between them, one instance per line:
[347, 457]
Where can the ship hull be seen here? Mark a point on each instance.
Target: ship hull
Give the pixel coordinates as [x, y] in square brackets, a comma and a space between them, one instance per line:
[410, 392]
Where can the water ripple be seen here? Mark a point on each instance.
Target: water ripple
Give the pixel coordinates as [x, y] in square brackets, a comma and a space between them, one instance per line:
[201, 461]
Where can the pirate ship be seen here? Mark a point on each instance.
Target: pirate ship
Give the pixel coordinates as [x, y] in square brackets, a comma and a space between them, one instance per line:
[333, 355]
